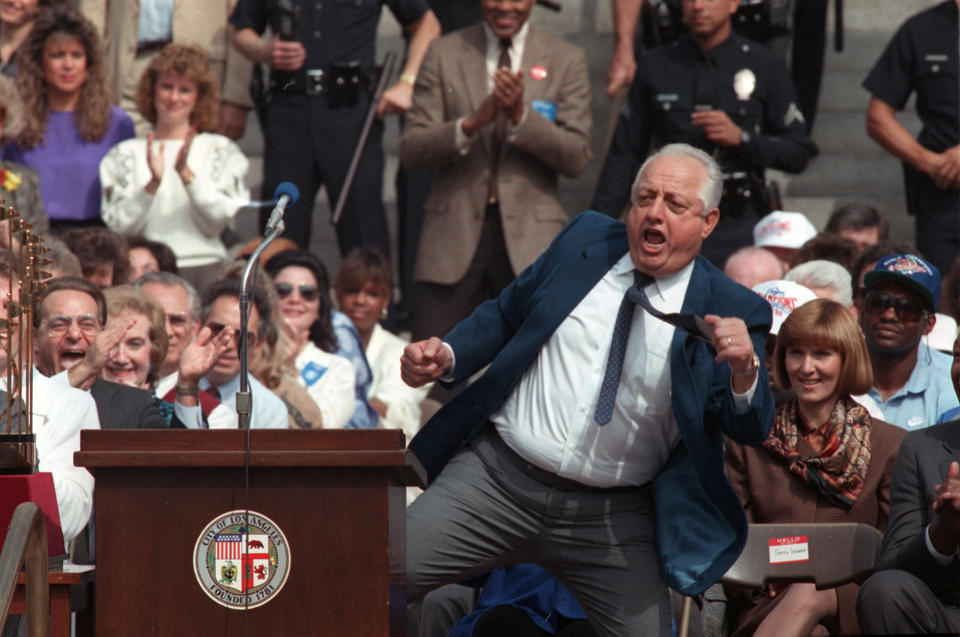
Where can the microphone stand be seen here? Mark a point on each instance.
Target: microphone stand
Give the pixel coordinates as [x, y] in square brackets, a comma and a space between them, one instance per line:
[244, 399]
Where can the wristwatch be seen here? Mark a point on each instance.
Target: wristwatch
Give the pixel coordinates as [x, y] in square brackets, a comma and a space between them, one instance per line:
[745, 138]
[754, 366]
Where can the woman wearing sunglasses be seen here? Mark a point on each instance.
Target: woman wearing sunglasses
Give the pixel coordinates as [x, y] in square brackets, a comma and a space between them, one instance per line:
[304, 306]
[826, 460]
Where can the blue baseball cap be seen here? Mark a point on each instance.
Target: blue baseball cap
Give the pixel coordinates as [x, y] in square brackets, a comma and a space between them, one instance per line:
[911, 270]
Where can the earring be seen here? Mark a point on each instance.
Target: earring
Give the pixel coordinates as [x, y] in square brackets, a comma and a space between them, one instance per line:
[383, 314]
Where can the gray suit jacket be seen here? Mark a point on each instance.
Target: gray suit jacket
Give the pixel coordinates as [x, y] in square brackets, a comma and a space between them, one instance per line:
[123, 407]
[451, 84]
[922, 464]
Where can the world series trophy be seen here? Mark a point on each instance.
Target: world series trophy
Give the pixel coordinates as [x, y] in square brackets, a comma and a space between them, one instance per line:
[18, 454]
[19, 478]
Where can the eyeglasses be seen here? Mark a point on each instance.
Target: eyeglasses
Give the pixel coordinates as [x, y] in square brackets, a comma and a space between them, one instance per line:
[307, 292]
[59, 325]
[906, 309]
[216, 328]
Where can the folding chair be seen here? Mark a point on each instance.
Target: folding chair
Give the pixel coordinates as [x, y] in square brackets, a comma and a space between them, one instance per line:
[829, 555]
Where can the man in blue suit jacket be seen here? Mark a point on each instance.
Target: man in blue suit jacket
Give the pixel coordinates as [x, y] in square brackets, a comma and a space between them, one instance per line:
[615, 510]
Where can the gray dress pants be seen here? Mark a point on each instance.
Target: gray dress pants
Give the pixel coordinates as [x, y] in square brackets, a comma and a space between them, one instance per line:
[489, 508]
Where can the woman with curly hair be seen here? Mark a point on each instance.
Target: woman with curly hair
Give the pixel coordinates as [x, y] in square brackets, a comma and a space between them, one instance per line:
[19, 184]
[182, 183]
[70, 124]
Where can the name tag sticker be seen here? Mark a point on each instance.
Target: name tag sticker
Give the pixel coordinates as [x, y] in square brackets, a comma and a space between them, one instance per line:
[545, 108]
[311, 373]
[787, 550]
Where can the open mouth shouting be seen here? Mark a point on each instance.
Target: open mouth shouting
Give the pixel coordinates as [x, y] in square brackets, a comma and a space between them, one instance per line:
[72, 355]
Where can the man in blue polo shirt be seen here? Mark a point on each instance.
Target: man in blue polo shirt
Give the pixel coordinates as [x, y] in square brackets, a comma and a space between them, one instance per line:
[898, 311]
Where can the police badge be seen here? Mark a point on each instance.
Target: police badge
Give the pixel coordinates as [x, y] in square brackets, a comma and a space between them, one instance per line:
[744, 83]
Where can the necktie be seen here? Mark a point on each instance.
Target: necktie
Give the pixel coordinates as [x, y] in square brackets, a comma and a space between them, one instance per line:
[503, 63]
[213, 390]
[618, 346]
[621, 332]
[703, 97]
[500, 128]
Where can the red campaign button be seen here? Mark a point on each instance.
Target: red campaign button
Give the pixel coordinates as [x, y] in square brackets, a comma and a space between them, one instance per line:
[538, 72]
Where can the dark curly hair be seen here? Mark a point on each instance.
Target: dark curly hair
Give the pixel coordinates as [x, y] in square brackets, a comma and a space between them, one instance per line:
[94, 246]
[192, 64]
[321, 332]
[92, 114]
[166, 259]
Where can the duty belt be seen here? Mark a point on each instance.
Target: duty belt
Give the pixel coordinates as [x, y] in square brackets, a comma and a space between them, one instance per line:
[342, 83]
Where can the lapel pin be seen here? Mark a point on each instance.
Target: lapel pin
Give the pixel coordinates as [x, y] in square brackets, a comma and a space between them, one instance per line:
[538, 72]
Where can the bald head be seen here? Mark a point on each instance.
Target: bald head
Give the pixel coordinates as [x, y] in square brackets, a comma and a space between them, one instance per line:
[751, 266]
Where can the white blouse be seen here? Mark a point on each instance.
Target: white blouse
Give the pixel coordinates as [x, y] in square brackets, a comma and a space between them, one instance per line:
[188, 219]
[329, 380]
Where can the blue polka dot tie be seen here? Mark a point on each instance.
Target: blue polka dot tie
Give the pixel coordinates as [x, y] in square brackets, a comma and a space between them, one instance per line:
[618, 346]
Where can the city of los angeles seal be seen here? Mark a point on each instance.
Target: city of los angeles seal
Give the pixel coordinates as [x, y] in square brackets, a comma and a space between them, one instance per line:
[241, 559]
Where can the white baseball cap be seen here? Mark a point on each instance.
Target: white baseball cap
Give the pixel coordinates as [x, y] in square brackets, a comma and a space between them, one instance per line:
[781, 229]
[783, 297]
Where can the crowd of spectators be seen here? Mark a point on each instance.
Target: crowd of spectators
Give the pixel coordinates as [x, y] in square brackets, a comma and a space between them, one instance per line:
[118, 144]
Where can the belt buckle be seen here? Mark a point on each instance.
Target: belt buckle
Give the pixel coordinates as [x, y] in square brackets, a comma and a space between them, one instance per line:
[314, 82]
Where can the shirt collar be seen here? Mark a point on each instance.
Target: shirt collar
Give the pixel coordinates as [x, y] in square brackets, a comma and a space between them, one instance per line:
[517, 42]
[667, 287]
[229, 388]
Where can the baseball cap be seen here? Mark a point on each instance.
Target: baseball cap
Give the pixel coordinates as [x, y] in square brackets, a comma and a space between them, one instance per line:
[781, 229]
[911, 270]
[783, 297]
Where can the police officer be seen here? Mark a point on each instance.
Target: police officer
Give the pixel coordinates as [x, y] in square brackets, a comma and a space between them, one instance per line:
[321, 57]
[718, 91]
[922, 57]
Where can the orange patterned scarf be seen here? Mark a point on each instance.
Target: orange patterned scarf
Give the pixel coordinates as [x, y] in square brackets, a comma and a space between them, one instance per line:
[839, 470]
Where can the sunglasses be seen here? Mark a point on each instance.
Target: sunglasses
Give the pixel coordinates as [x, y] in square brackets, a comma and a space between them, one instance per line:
[307, 292]
[906, 309]
[216, 328]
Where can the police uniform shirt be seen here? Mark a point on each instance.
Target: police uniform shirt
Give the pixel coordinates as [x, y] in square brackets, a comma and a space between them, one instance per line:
[750, 83]
[330, 30]
[922, 57]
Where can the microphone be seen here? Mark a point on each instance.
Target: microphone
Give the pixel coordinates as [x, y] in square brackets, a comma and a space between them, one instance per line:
[286, 194]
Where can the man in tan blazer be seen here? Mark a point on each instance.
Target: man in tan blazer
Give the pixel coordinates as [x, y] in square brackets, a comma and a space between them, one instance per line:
[493, 207]
[192, 22]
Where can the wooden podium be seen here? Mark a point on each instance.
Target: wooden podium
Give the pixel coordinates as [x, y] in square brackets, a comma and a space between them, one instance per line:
[335, 501]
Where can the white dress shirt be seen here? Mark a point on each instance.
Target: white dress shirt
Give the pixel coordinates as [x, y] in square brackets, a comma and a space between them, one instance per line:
[59, 413]
[548, 419]
[268, 411]
[220, 417]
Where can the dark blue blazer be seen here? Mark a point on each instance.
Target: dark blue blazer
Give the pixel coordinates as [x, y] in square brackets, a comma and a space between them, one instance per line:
[701, 527]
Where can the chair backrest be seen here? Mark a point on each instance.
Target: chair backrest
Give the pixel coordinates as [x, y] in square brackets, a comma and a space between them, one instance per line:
[827, 554]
